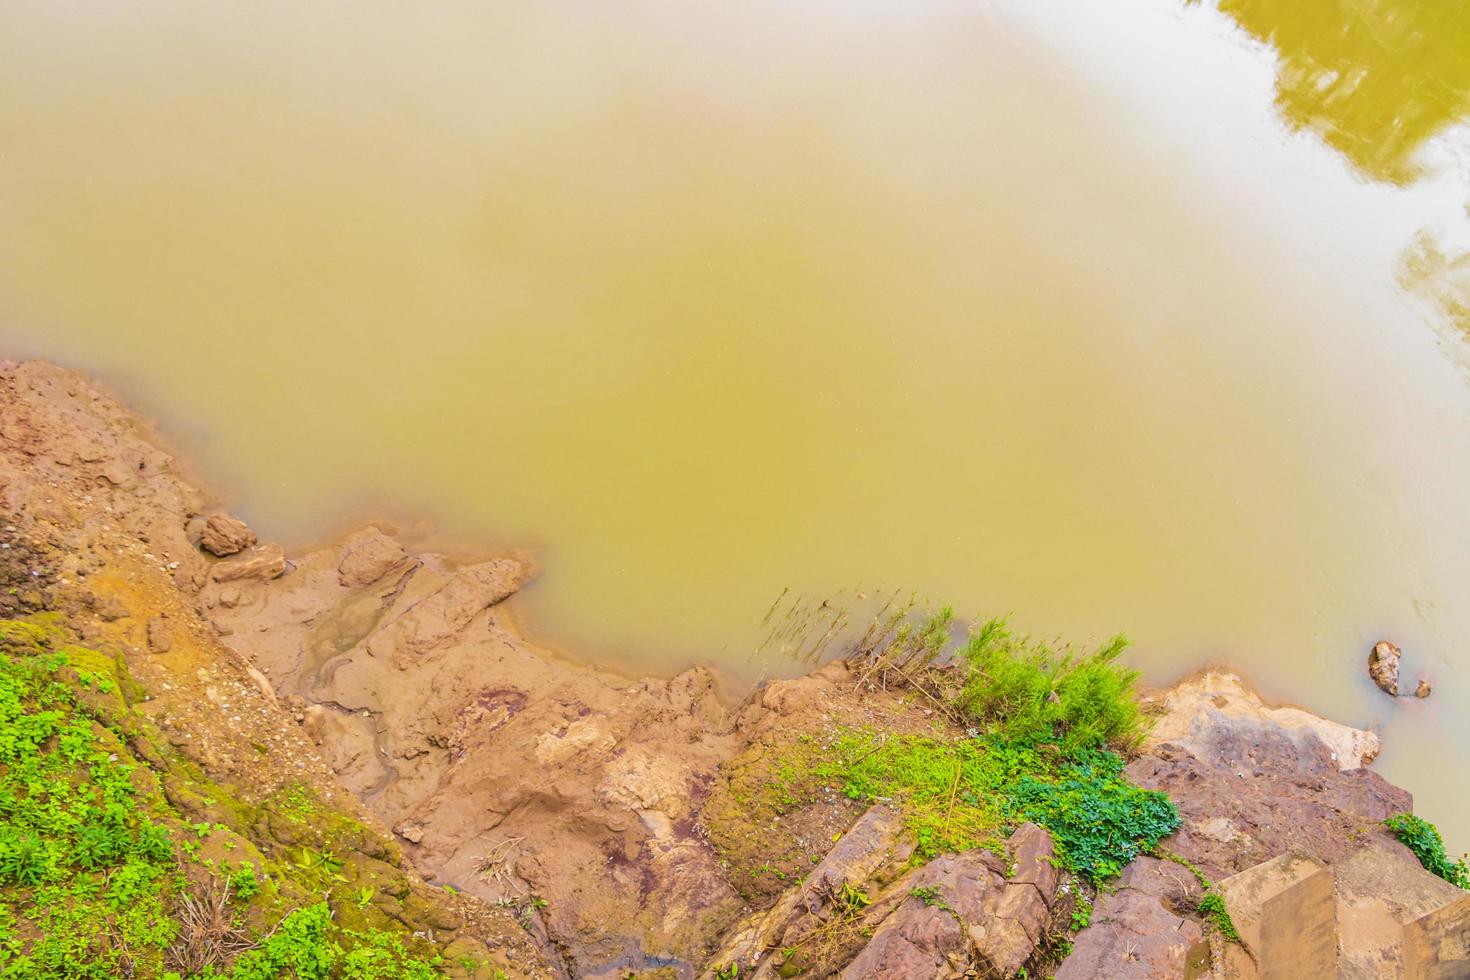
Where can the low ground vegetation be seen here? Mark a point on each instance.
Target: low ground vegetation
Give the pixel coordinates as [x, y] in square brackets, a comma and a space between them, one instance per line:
[103, 875]
[1422, 837]
[1033, 732]
[1015, 730]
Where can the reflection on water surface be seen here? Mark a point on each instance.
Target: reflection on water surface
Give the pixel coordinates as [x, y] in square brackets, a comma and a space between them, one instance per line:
[1377, 79]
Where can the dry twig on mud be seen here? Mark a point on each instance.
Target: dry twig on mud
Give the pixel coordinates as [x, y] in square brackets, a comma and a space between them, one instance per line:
[497, 866]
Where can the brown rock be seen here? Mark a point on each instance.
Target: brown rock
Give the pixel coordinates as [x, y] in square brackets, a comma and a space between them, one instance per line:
[314, 721]
[224, 535]
[367, 556]
[1197, 705]
[265, 562]
[1423, 690]
[854, 858]
[110, 609]
[159, 640]
[440, 616]
[1438, 944]
[115, 473]
[1382, 889]
[1383, 667]
[1285, 911]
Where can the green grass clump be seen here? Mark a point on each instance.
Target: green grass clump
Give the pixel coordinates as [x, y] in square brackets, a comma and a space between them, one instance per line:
[308, 945]
[1422, 837]
[1029, 691]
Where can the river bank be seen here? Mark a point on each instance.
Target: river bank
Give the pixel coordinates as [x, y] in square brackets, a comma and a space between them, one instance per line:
[593, 822]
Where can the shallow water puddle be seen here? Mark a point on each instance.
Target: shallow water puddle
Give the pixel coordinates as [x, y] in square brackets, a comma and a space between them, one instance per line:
[1086, 314]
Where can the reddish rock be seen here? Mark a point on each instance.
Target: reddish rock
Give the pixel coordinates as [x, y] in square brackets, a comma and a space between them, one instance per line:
[922, 938]
[1137, 931]
[1261, 794]
[960, 912]
[1249, 790]
[1008, 938]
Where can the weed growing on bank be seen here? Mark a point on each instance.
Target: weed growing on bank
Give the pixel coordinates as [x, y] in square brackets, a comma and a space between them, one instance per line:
[1044, 729]
[1422, 837]
[1028, 692]
[1211, 905]
[101, 877]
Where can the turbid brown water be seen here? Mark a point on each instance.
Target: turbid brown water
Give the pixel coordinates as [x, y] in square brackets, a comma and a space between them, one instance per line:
[1089, 313]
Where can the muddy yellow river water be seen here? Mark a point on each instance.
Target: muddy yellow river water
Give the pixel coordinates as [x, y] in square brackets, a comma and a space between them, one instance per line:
[1133, 316]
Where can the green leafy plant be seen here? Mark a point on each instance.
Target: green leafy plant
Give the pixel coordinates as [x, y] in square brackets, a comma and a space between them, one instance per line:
[1211, 904]
[929, 895]
[850, 900]
[1422, 837]
[1081, 912]
[244, 883]
[1099, 820]
[1212, 907]
[958, 794]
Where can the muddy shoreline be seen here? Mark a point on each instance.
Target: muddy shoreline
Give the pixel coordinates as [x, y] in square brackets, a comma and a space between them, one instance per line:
[395, 675]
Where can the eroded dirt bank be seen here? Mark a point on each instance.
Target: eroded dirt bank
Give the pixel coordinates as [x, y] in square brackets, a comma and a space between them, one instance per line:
[599, 826]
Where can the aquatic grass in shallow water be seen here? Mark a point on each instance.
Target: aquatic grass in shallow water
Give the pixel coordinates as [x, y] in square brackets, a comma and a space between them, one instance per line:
[1024, 689]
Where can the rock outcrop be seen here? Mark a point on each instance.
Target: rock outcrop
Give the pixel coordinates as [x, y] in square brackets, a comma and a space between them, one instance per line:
[859, 914]
[1278, 806]
[1252, 781]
